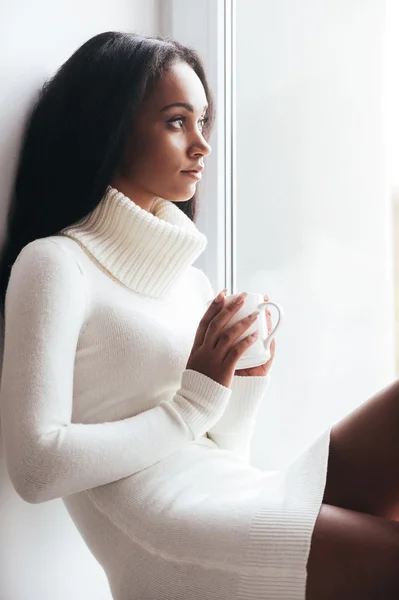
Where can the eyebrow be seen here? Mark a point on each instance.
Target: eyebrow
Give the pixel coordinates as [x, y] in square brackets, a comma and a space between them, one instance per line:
[189, 107]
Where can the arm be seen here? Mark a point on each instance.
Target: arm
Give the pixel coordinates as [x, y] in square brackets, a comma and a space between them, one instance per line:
[235, 428]
[47, 455]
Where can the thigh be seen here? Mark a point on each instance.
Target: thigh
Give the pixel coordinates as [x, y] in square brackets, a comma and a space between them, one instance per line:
[353, 556]
[363, 464]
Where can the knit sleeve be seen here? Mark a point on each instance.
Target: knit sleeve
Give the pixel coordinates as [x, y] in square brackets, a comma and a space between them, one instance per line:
[47, 455]
[234, 430]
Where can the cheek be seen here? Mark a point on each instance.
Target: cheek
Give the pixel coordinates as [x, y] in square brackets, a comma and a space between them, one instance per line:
[172, 146]
[160, 155]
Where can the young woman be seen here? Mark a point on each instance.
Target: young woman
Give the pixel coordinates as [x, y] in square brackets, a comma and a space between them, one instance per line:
[119, 392]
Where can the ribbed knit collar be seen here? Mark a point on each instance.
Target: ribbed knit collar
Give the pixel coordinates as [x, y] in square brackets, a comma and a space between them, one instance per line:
[145, 251]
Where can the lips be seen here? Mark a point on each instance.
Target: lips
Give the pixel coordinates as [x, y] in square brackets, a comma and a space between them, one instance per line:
[193, 174]
[197, 169]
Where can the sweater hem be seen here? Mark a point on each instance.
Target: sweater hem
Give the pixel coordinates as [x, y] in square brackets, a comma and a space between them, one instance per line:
[282, 574]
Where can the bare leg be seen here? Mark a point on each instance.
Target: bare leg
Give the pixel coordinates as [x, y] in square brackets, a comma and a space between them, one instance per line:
[353, 556]
[354, 553]
[363, 467]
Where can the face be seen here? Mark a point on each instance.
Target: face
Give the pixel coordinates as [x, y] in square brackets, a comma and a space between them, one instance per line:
[166, 143]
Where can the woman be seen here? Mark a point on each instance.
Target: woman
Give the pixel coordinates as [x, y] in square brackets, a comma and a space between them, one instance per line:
[119, 394]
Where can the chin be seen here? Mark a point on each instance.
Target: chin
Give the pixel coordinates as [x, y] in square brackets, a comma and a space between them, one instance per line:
[180, 195]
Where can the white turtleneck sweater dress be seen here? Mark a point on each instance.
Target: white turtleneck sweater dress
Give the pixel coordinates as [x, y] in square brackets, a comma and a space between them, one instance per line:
[151, 459]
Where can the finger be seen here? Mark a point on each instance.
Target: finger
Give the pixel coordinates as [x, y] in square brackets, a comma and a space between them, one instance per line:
[213, 309]
[228, 336]
[217, 333]
[272, 348]
[268, 316]
[238, 350]
[269, 320]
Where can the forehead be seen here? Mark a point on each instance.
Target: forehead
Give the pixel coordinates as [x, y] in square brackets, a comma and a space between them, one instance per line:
[179, 83]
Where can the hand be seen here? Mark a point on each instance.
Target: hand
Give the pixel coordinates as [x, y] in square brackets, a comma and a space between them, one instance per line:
[261, 370]
[213, 353]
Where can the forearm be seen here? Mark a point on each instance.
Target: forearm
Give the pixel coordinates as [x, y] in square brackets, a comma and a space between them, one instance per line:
[48, 461]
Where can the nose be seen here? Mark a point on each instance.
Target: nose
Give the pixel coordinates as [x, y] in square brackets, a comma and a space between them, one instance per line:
[200, 147]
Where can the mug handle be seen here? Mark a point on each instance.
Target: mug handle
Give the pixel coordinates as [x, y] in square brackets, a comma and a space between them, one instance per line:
[273, 332]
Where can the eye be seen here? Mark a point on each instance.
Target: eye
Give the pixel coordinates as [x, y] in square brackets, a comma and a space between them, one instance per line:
[203, 122]
[177, 120]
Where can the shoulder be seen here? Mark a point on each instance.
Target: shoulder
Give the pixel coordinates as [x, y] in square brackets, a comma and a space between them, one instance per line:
[46, 270]
[50, 254]
[46, 284]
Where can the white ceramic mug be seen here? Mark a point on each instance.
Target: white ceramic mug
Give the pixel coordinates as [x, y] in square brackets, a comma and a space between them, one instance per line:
[258, 352]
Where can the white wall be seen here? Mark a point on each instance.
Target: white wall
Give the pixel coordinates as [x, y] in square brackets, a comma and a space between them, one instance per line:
[313, 207]
[42, 557]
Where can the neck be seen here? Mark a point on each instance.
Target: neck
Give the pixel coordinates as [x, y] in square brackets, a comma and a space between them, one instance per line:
[141, 198]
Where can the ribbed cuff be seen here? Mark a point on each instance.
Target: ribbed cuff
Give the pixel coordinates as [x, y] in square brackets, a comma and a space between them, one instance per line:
[246, 397]
[205, 387]
[250, 388]
[200, 401]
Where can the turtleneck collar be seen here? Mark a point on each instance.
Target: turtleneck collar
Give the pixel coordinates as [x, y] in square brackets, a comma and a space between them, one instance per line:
[145, 251]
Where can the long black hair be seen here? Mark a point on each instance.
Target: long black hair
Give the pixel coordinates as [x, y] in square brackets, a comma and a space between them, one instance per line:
[76, 134]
